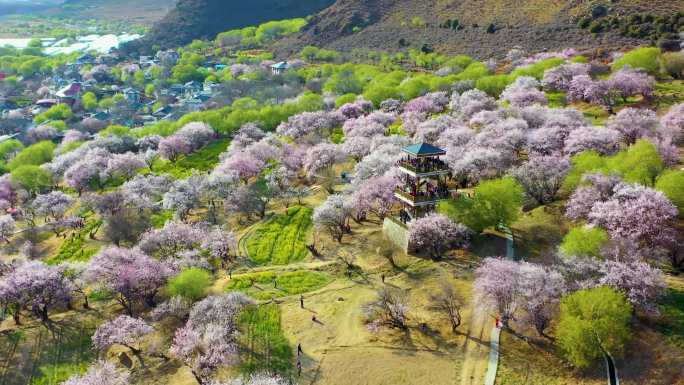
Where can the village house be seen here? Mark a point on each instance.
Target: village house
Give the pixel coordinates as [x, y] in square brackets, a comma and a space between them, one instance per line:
[280, 67]
[70, 93]
[132, 95]
[101, 116]
[168, 57]
[191, 88]
[146, 61]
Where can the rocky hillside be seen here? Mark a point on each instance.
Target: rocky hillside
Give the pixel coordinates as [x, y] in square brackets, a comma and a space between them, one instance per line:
[138, 11]
[485, 27]
[9, 7]
[196, 19]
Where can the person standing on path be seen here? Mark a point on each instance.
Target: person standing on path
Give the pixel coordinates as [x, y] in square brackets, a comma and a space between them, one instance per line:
[299, 368]
[301, 301]
[383, 278]
[299, 350]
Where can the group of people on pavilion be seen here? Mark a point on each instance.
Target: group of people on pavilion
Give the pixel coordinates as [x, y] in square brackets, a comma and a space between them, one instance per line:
[424, 181]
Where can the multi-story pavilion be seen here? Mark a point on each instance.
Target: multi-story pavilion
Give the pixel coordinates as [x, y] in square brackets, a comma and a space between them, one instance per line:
[424, 180]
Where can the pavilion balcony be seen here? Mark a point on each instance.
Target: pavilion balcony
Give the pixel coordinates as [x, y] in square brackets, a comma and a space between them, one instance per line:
[423, 169]
[421, 199]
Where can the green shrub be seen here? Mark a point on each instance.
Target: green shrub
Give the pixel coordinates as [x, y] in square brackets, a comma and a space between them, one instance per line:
[493, 85]
[640, 163]
[379, 93]
[35, 155]
[584, 241]
[158, 220]
[9, 147]
[671, 183]
[593, 321]
[337, 135]
[89, 101]
[418, 22]
[191, 284]
[461, 61]
[646, 58]
[582, 163]
[163, 128]
[556, 99]
[56, 112]
[71, 146]
[344, 99]
[537, 69]
[473, 71]
[273, 30]
[495, 203]
[33, 179]
[414, 87]
[672, 63]
[344, 81]
[311, 53]
[114, 130]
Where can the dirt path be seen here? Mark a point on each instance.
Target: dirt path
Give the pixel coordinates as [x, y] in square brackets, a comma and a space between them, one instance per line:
[476, 348]
[242, 240]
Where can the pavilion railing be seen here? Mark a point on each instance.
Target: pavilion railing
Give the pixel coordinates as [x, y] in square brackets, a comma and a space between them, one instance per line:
[423, 197]
[423, 168]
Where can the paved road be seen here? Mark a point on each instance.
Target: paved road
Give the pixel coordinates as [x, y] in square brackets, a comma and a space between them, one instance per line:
[612, 370]
[493, 364]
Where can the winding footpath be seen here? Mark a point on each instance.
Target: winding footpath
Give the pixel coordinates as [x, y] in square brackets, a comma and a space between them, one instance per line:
[475, 348]
[493, 365]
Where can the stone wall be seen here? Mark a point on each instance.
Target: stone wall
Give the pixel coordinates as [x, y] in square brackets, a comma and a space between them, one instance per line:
[396, 233]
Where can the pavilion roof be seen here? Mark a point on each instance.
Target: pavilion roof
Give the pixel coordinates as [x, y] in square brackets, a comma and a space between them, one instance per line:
[423, 149]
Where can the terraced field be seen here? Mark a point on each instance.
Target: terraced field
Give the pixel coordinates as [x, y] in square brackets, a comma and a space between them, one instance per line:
[282, 239]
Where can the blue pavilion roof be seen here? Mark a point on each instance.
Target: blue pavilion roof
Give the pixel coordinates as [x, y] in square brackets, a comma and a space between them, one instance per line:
[282, 65]
[423, 149]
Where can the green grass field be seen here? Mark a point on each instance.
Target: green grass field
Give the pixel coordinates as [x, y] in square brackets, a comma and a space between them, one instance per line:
[76, 248]
[672, 322]
[268, 349]
[668, 93]
[202, 160]
[261, 285]
[556, 99]
[282, 239]
[36, 356]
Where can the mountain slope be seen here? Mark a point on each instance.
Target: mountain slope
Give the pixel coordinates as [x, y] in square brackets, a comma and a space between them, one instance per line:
[138, 11]
[485, 27]
[9, 7]
[201, 19]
